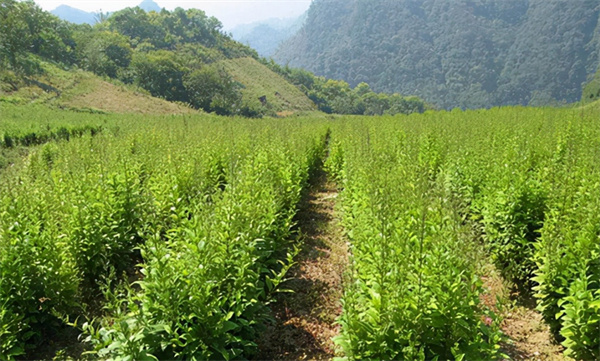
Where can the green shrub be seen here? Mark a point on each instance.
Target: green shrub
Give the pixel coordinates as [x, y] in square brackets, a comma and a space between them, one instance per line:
[569, 245]
[106, 224]
[38, 280]
[208, 277]
[413, 292]
[513, 217]
[580, 315]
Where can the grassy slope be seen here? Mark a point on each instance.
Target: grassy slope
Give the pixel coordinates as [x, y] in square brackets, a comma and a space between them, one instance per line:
[593, 106]
[80, 90]
[283, 97]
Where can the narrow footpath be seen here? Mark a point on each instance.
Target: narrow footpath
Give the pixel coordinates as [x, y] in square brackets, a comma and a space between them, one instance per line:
[305, 319]
[528, 335]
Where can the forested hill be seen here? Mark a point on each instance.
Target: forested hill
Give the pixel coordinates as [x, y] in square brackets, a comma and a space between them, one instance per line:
[467, 53]
[181, 56]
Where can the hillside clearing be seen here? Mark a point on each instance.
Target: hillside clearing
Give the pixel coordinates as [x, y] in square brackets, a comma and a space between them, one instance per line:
[259, 81]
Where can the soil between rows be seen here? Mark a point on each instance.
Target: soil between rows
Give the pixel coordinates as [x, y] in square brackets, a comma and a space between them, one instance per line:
[305, 319]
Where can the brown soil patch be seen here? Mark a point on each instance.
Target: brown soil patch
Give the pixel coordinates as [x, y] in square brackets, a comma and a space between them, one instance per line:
[528, 336]
[305, 319]
[285, 113]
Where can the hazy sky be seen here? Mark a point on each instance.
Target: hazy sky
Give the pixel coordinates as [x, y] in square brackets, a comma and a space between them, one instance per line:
[230, 12]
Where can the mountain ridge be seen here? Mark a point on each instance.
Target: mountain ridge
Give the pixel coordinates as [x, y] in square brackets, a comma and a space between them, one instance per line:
[465, 53]
[266, 36]
[74, 15]
[78, 16]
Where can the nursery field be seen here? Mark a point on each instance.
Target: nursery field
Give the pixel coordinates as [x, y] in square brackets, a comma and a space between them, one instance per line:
[132, 237]
[524, 181]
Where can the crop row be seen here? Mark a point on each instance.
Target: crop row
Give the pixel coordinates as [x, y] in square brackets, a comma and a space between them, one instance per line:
[536, 192]
[527, 180]
[164, 238]
[413, 292]
[28, 127]
[163, 241]
[10, 140]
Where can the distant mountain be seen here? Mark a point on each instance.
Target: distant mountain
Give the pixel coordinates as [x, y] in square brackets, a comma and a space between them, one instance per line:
[77, 16]
[150, 5]
[266, 36]
[459, 53]
[73, 15]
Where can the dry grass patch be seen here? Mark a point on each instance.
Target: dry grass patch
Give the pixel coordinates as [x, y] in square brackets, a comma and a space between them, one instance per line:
[116, 99]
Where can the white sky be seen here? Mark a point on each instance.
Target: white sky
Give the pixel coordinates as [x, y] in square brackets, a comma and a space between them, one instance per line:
[229, 12]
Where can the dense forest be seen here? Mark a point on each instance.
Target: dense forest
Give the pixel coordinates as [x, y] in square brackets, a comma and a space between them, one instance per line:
[175, 55]
[464, 53]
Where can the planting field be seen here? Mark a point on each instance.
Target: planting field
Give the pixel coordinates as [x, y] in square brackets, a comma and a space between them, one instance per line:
[168, 237]
[415, 188]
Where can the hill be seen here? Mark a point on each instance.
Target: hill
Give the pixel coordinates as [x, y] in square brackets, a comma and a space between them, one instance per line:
[182, 56]
[83, 91]
[74, 15]
[149, 5]
[259, 82]
[453, 53]
[266, 36]
[77, 16]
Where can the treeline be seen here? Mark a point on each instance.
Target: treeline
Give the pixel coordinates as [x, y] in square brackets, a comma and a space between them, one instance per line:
[174, 55]
[336, 96]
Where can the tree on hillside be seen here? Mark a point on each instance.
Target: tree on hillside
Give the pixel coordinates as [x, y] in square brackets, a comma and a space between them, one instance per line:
[14, 39]
[591, 91]
[191, 26]
[138, 25]
[26, 28]
[211, 88]
[104, 52]
[161, 73]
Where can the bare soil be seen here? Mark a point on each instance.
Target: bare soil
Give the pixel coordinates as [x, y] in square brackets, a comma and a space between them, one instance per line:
[528, 336]
[305, 319]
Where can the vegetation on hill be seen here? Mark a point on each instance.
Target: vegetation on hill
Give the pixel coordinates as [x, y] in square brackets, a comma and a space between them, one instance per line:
[591, 91]
[336, 96]
[265, 89]
[180, 56]
[453, 53]
[85, 92]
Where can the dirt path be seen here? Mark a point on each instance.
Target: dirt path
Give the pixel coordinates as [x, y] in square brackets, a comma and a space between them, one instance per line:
[528, 336]
[305, 319]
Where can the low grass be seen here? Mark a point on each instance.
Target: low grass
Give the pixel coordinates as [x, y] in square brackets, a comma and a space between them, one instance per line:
[259, 81]
[80, 90]
[592, 106]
